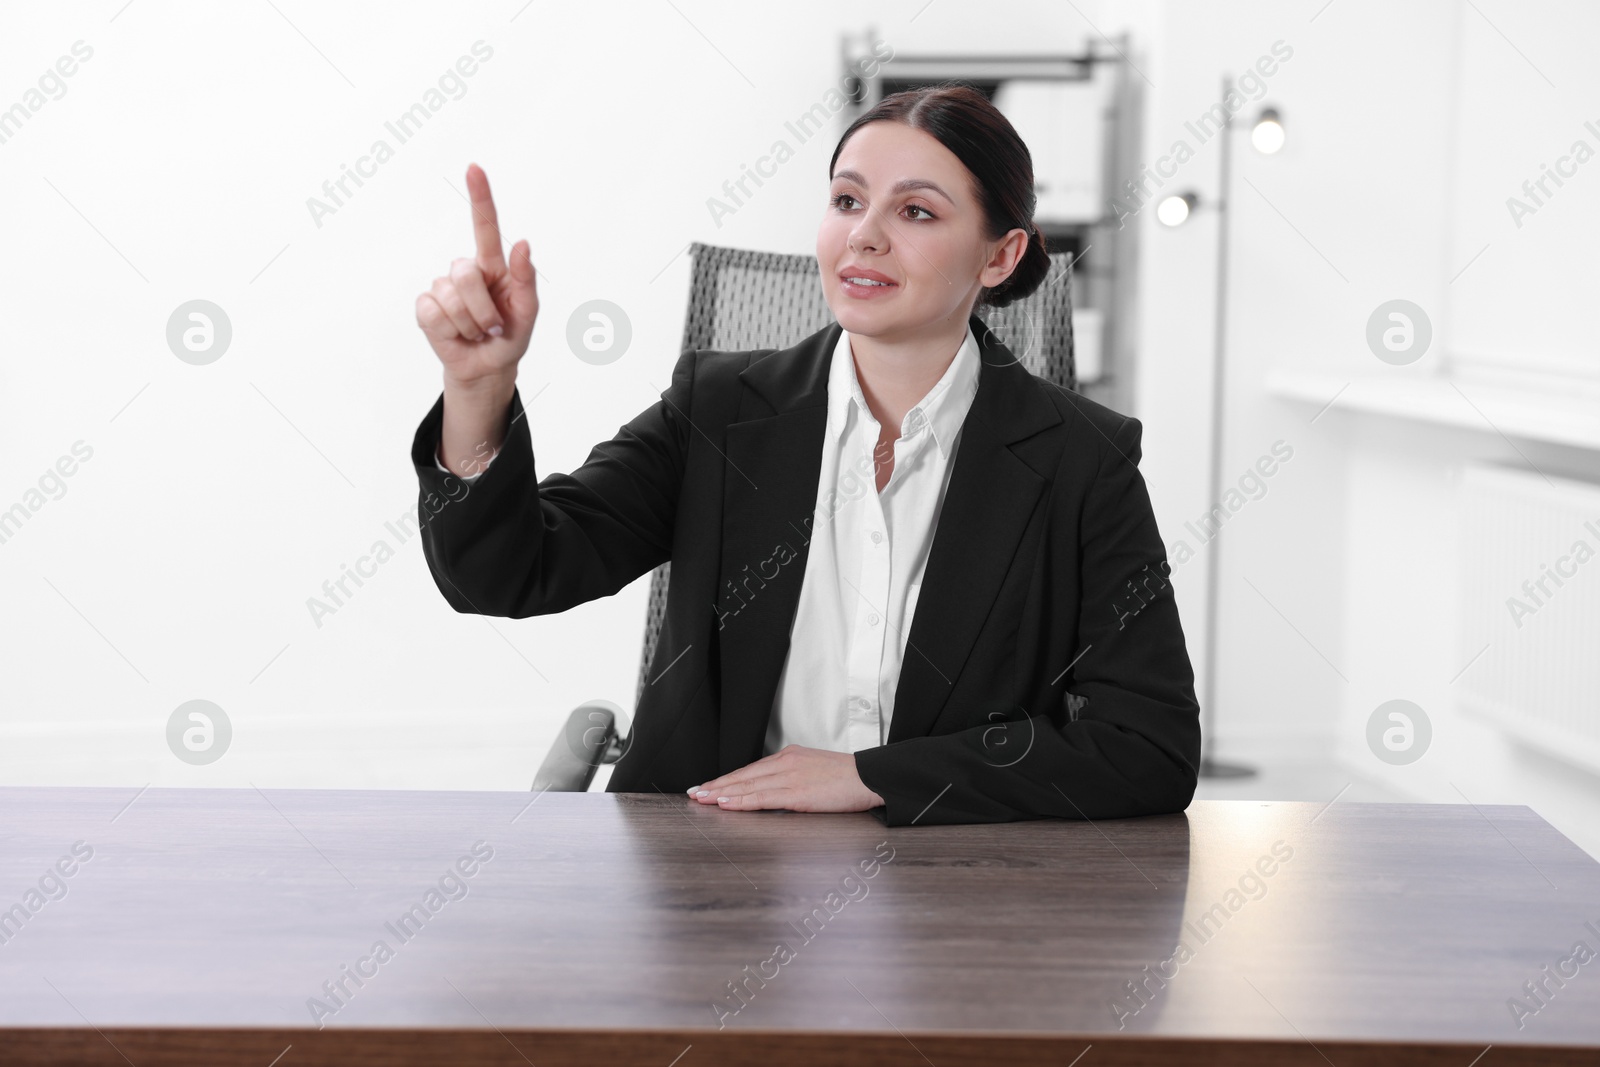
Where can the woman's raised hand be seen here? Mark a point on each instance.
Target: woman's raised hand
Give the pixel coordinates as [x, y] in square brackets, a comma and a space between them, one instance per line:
[479, 318]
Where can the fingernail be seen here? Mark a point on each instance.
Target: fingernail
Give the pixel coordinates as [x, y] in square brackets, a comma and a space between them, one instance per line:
[703, 792]
[495, 331]
[722, 800]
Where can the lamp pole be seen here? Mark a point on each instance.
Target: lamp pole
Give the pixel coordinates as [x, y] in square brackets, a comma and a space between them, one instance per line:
[1209, 767]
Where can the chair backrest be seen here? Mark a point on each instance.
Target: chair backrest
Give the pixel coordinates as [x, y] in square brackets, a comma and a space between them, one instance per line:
[740, 300]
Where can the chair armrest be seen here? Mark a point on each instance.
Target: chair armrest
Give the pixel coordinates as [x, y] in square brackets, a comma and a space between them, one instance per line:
[585, 742]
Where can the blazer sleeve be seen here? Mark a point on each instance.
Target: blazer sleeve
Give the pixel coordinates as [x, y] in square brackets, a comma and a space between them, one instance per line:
[1133, 745]
[511, 545]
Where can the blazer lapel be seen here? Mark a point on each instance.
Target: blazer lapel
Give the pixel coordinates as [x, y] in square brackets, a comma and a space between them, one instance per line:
[774, 459]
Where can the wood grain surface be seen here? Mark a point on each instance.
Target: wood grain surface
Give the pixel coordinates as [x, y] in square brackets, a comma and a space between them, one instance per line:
[241, 926]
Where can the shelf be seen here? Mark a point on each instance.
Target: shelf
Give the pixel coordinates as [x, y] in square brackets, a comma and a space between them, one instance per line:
[1490, 408]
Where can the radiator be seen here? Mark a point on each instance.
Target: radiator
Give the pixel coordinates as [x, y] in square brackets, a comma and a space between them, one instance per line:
[1530, 584]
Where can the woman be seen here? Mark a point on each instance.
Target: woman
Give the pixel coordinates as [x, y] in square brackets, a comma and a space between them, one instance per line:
[822, 650]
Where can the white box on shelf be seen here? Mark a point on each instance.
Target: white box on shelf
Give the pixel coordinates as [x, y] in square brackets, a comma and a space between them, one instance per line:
[1086, 332]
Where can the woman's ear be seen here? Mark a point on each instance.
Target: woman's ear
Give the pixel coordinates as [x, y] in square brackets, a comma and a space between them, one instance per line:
[1006, 257]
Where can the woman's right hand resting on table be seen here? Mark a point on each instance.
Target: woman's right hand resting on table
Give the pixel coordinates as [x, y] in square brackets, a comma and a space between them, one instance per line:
[479, 320]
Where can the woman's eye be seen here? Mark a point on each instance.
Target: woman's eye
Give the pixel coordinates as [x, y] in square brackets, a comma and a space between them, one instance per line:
[838, 202]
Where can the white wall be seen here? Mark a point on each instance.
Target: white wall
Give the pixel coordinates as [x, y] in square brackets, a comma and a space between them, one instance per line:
[1526, 231]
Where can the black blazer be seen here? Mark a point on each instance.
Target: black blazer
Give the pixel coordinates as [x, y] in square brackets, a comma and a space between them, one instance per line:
[1047, 580]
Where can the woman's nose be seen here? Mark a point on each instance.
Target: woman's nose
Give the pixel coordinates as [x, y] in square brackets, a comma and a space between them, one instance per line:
[866, 235]
[864, 239]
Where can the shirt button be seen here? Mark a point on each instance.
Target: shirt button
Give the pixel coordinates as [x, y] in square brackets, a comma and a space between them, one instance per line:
[873, 619]
[876, 537]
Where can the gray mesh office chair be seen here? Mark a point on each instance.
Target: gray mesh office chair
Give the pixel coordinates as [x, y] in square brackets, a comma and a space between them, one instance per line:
[740, 300]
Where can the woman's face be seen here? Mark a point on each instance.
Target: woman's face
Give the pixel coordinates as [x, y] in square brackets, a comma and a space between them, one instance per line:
[902, 208]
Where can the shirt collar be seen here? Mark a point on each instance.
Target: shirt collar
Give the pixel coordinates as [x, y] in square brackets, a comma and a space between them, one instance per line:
[942, 410]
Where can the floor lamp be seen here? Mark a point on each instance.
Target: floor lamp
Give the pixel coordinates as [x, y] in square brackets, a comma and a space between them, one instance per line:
[1266, 135]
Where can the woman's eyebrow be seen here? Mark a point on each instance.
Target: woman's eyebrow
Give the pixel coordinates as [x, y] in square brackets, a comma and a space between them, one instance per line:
[901, 186]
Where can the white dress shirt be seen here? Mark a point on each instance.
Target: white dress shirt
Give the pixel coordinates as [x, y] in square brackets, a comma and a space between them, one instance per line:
[867, 556]
[468, 478]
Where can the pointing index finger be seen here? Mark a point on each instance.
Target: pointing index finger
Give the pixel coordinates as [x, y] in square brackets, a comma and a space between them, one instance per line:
[485, 223]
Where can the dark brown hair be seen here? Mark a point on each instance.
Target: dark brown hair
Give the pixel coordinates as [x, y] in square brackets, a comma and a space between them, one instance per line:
[977, 133]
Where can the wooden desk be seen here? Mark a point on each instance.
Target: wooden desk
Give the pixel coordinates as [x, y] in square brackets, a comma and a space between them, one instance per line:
[607, 928]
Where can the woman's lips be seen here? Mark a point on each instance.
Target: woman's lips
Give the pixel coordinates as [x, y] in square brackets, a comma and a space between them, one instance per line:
[865, 292]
